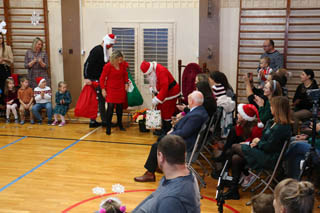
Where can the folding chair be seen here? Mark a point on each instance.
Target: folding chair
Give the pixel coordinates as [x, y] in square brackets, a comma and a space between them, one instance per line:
[270, 176]
[212, 131]
[194, 155]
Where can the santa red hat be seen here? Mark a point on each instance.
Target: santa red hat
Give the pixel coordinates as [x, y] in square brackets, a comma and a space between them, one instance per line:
[107, 40]
[249, 113]
[147, 67]
[39, 80]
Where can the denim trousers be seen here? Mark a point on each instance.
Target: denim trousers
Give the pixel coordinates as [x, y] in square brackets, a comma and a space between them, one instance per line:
[38, 106]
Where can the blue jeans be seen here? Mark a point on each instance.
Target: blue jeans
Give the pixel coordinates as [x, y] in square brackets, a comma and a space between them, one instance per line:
[37, 107]
[296, 152]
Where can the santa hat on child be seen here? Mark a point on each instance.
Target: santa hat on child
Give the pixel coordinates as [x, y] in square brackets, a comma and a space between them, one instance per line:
[107, 40]
[39, 80]
[147, 67]
[249, 113]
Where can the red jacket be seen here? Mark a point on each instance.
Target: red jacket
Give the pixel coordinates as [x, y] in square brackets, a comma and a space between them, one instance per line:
[113, 81]
[255, 133]
[164, 80]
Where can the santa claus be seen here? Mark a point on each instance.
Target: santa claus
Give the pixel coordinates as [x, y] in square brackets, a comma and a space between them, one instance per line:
[165, 90]
[93, 67]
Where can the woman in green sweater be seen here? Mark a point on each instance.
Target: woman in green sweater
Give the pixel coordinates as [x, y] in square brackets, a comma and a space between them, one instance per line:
[261, 153]
[271, 89]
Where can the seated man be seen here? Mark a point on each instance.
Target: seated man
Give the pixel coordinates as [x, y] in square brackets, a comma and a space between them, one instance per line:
[188, 128]
[178, 190]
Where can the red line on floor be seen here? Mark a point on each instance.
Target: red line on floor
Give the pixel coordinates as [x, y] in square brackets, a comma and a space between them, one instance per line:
[139, 190]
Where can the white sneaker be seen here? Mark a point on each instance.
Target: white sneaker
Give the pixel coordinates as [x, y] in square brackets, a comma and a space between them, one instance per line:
[248, 180]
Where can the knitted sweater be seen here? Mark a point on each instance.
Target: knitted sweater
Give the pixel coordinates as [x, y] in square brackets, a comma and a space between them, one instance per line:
[47, 95]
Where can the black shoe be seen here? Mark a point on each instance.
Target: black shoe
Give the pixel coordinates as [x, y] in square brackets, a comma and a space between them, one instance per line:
[215, 174]
[94, 124]
[108, 131]
[122, 128]
[232, 193]
[158, 132]
[220, 158]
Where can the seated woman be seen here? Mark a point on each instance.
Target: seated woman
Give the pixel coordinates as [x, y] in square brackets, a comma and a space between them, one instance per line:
[261, 153]
[301, 101]
[270, 90]
[297, 151]
[292, 196]
[252, 92]
[220, 85]
[247, 128]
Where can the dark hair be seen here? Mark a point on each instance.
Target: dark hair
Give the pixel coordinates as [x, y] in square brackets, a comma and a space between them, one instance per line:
[310, 73]
[202, 77]
[282, 79]
[220, 78]
[271, 42]
[173, 148]
[247, 128]
[204, 88]
[262, 203]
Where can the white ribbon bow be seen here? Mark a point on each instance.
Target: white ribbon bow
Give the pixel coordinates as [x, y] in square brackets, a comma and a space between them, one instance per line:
[2, 25]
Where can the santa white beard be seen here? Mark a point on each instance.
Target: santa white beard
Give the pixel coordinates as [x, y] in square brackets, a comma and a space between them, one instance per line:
[152, 78]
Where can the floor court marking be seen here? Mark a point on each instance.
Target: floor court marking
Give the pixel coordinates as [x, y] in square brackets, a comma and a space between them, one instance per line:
[13, 142]
[72, 139]
[46, 161]
[139, 190]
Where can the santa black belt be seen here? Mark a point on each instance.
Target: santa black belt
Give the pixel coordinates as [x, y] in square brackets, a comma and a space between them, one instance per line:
[171, 85]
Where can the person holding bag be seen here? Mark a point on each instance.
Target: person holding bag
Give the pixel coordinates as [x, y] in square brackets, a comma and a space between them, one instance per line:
[114, 84]
[165, 90]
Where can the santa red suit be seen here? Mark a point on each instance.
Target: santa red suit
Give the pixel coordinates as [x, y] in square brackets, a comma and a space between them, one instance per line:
[165, 88]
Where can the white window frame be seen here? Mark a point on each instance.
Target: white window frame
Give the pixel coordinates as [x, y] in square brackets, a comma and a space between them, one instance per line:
[139, 51]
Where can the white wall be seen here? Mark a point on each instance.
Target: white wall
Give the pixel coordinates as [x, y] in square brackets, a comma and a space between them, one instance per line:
[55, 38]
[186, 37]
[186, 20]
[229, 28]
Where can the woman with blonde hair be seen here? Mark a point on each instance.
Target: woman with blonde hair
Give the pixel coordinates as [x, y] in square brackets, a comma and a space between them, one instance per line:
[114, 83]
[271, 89]
[6, 59]
[36, 61]
[261, 153]
[292, 196]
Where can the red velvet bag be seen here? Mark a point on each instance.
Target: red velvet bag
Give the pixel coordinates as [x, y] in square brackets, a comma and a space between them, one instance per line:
[87, 104]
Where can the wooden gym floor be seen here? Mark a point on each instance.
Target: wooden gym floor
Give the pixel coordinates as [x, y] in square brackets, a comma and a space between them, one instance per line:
[54, 169]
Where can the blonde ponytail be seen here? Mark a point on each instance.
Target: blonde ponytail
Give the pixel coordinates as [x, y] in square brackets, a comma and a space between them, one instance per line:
[295, 196]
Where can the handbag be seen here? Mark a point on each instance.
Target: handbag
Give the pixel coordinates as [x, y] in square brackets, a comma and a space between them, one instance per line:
[153, 119]
[134, 96]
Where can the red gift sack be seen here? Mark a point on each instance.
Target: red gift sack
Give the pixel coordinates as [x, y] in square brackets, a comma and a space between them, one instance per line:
[87, 104]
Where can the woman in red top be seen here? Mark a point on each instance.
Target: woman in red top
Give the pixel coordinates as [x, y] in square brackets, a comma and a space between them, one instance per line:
[114, 83]
[247, 128]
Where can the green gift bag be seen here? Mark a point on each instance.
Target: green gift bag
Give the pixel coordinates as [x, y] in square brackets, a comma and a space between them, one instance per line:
[134, 96]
